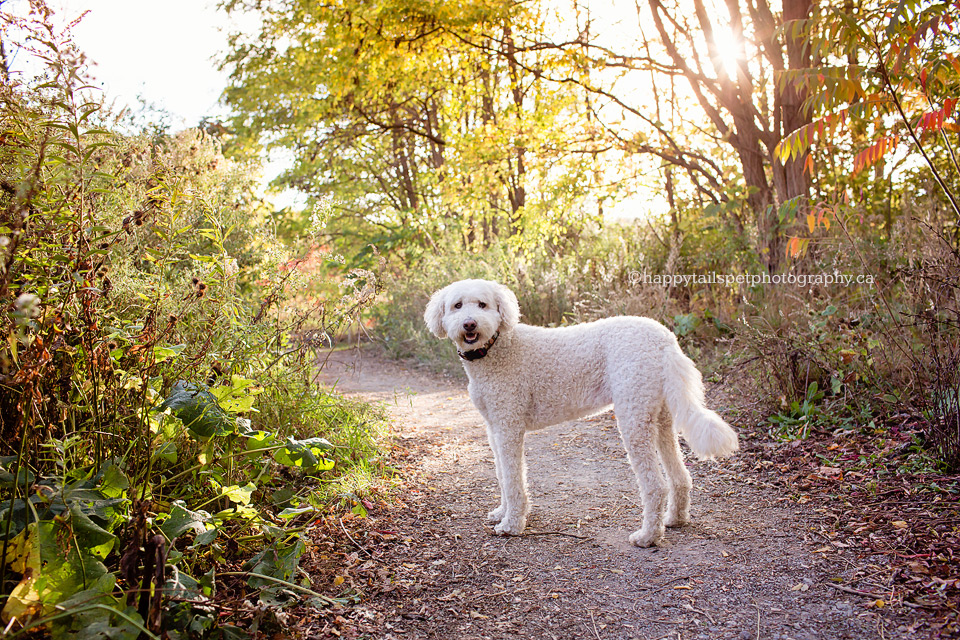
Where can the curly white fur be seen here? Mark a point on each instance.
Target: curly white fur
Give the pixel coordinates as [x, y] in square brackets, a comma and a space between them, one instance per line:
[533, 377]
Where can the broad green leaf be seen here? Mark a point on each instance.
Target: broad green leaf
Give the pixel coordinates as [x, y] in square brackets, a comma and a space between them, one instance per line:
[305, 453]
[113, 482]
[237, 512]
[103, 622]
[238, 396]
[182, 520]
[162, 353]
[166, 451]
[64, 572]
[181, 585]
[90, 536]
[293, 512]
[199, 411]
[23, 477]
[241, 495]
[23, 557]
[277, 561]
[260, 440]
[205, 538]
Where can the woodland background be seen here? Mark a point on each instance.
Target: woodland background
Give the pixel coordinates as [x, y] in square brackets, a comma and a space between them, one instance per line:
[164, 443]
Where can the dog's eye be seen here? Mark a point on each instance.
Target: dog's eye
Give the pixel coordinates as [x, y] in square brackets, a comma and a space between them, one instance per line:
[483, 305]
[458, 305]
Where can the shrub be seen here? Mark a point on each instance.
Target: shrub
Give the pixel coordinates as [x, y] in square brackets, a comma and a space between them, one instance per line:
[156, 381]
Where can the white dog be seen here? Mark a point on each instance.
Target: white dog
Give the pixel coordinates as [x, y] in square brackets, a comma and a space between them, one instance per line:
[524, 378]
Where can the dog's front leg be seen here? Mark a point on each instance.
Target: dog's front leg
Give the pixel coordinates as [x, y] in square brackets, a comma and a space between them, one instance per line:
[508, 454]
[495, 516]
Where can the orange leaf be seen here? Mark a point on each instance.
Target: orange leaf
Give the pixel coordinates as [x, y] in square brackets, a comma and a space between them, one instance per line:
[795, 246]
[811, 222]
[873, 154]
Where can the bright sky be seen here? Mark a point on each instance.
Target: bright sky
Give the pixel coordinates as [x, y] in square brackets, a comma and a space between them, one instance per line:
[164, 51]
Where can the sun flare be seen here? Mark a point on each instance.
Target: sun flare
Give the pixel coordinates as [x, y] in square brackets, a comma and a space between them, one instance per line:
[728, 49]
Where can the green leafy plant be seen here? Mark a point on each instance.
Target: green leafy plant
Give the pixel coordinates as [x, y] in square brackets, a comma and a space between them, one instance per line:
[796, 422]
[152, 328]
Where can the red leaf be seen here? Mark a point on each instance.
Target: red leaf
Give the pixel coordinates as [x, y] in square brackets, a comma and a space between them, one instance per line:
[934, 120]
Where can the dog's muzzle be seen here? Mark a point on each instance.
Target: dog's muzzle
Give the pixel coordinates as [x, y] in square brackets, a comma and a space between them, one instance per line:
[470, 335]
[476, 354]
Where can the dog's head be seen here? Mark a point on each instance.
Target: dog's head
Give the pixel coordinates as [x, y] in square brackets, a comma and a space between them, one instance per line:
[469, 312]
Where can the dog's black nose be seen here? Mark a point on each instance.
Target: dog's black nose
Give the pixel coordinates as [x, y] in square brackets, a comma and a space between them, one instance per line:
[470, 326]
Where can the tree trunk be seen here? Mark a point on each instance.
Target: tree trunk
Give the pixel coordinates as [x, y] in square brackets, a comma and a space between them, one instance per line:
[516, 175]
[790, 179]
[739, 112]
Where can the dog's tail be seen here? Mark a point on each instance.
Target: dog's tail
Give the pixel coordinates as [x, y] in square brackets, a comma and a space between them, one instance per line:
[706, 432]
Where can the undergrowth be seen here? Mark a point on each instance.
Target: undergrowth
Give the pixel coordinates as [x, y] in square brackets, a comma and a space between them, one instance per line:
[830, 355]
[161, 426]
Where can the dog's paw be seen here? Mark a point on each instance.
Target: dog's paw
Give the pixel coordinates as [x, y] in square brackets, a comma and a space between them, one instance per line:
[645, 539]
[510, 527]
[497, 514]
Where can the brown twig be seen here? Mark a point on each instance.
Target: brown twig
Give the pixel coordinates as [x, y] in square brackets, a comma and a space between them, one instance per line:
[555, 533]
[690, 607]
[862, 594]
[594, 622]
[355, 543]
[665, 584]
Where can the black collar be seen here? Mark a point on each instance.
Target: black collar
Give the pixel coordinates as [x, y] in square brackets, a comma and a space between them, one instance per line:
[476, 354]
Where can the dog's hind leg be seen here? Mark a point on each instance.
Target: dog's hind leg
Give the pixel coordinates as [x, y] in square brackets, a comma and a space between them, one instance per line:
[678, 504]
[508, 450]
[638, 428]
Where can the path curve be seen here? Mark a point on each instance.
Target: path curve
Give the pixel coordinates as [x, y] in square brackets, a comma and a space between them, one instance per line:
[746, 569]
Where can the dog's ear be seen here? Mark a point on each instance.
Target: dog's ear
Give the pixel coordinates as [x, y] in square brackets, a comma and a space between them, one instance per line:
[433, 314]
[508, 307]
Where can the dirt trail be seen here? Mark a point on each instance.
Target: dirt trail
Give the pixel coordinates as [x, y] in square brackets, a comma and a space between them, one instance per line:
[746, 568]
